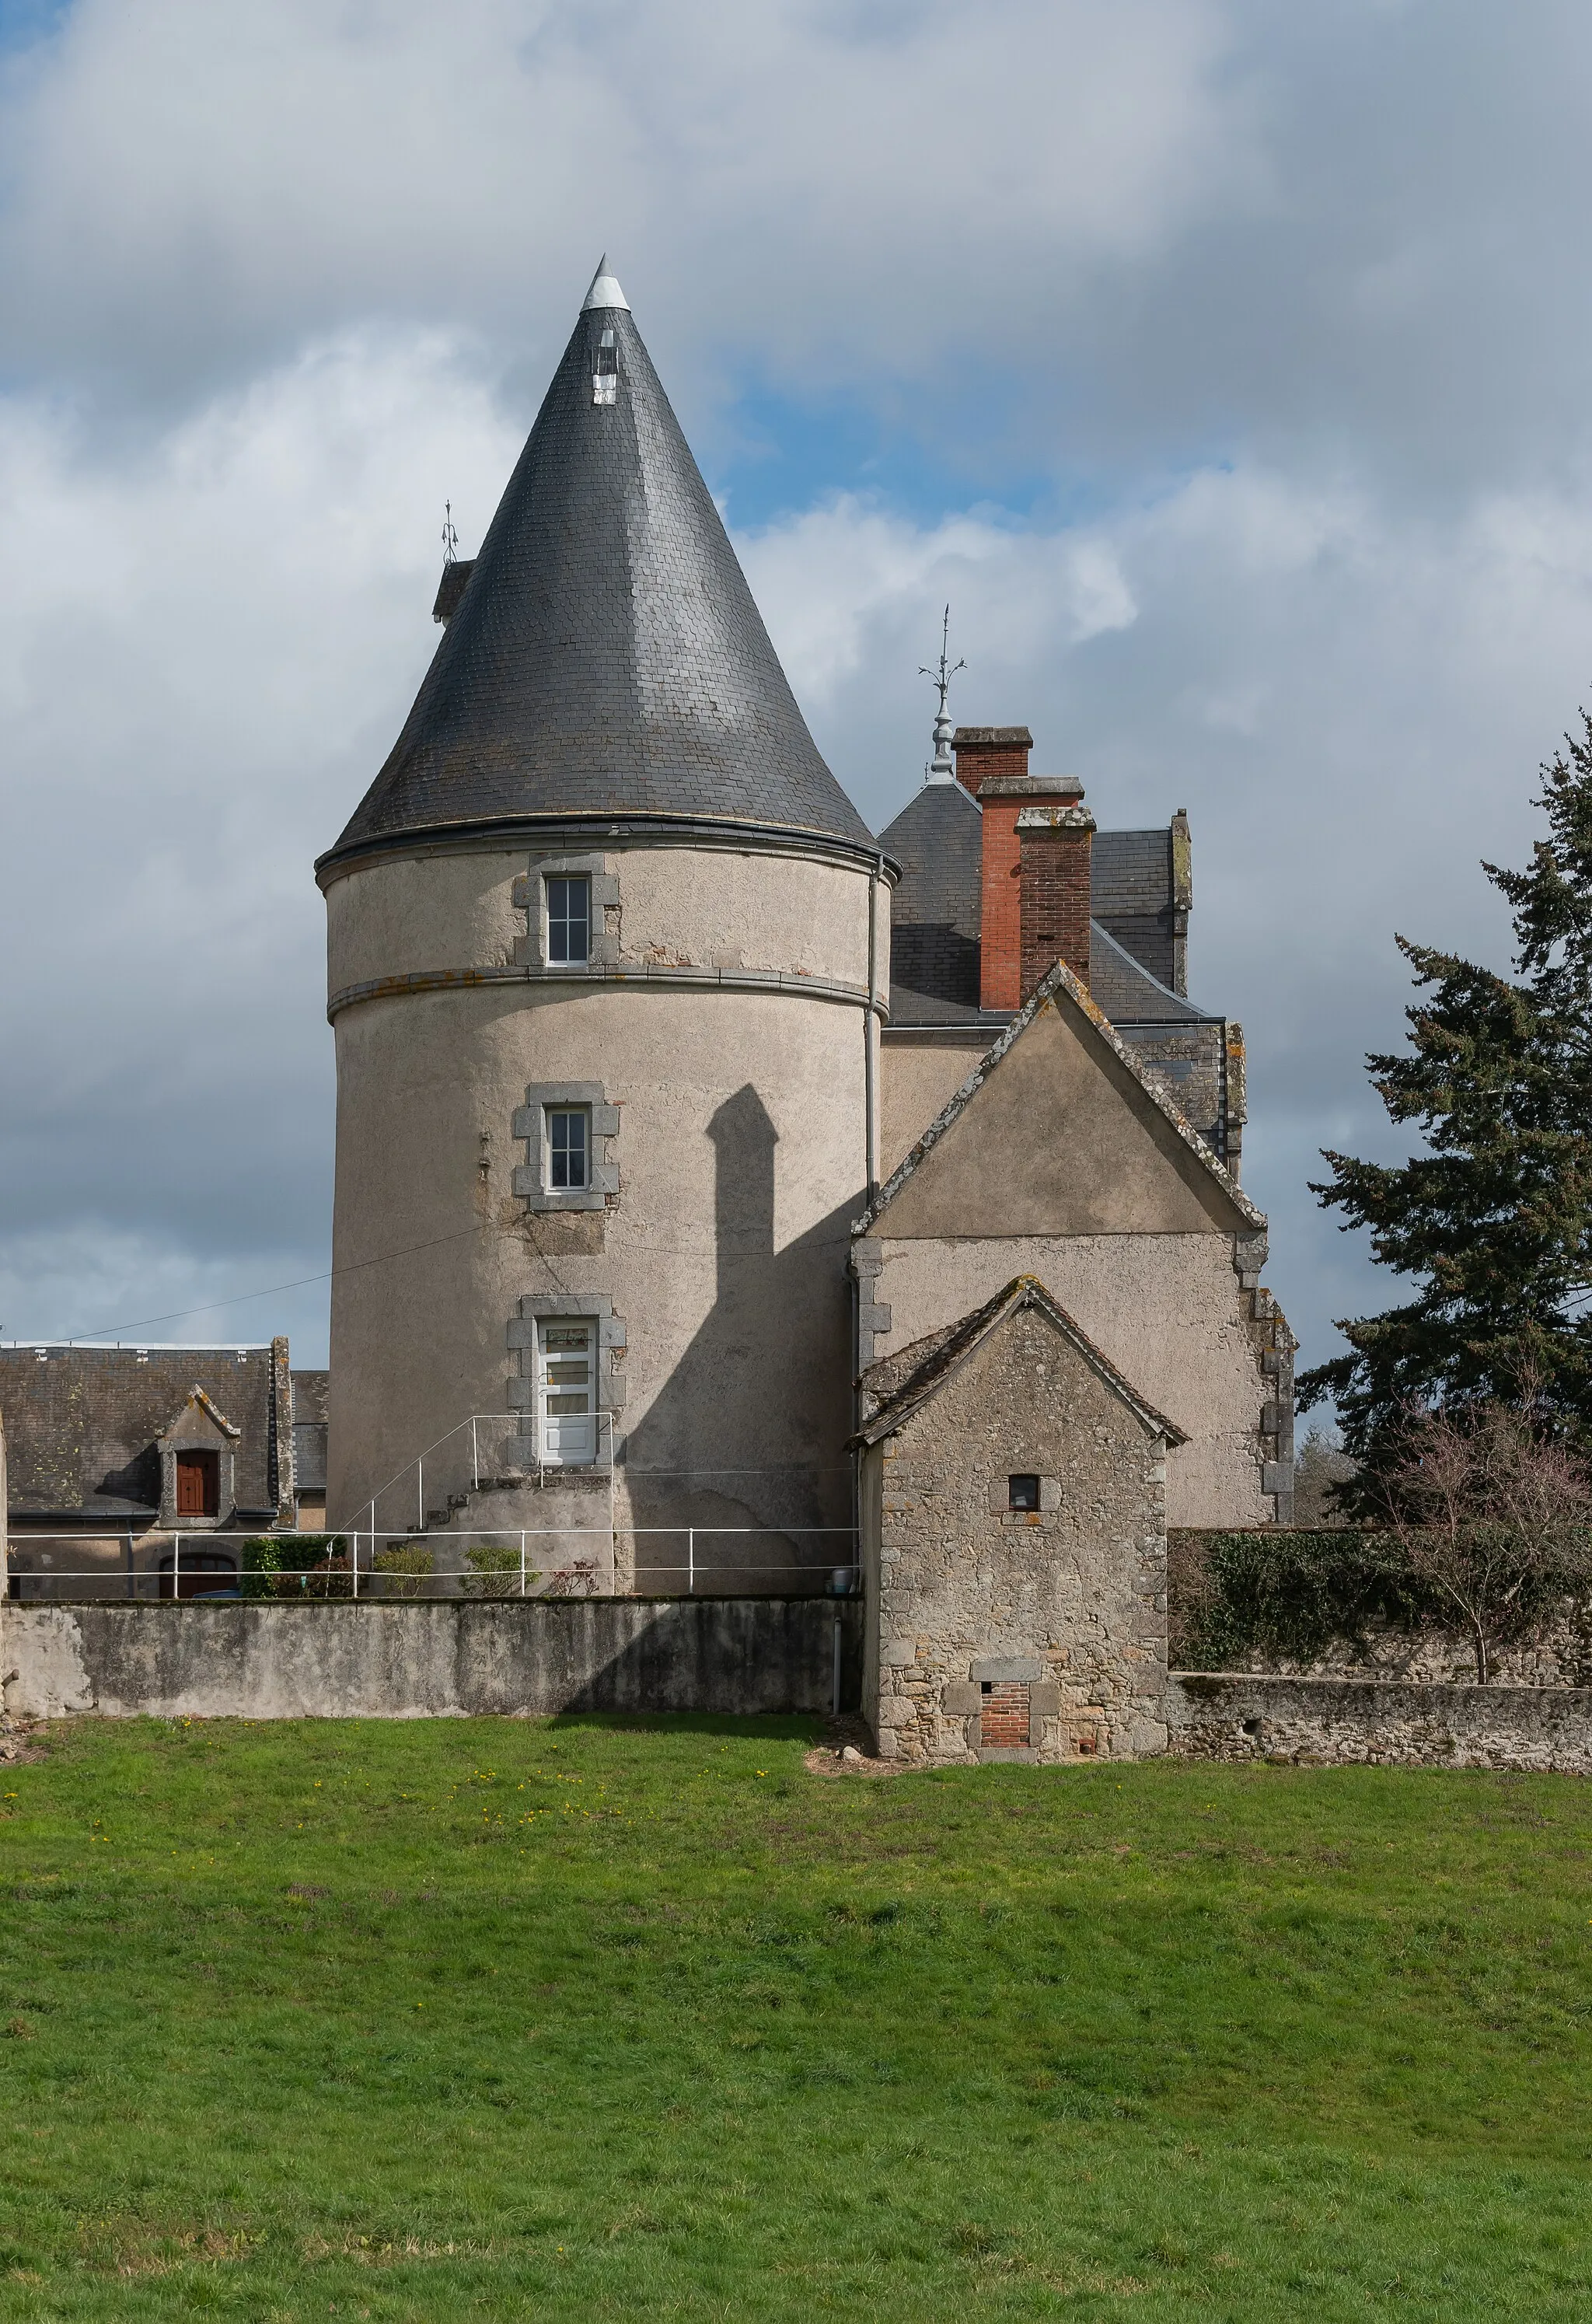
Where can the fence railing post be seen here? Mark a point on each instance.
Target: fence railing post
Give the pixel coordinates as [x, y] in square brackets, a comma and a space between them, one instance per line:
[475, 1454]
[176, 1564]
[523, 1565]
[691, 1563]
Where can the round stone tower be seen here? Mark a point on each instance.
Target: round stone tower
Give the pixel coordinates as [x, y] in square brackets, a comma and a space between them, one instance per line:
[607, 950]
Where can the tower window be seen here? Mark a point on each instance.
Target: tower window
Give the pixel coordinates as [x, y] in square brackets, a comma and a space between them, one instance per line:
[1022, 1492]
[569, 921]
[569, 1146]
[605, 377]
[567, 1391]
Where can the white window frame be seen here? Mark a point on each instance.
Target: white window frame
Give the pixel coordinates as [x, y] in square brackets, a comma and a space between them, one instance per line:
[563, 1442]
[550, 1114]
[566, 880]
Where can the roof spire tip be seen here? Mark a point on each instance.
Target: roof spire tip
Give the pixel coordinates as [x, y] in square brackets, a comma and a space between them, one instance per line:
[604, 290]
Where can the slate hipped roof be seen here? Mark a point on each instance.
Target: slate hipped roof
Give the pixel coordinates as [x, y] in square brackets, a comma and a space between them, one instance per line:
[605, 658]
[936, 915]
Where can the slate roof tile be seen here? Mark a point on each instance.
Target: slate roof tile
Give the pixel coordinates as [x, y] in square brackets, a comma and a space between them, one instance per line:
[605, 658]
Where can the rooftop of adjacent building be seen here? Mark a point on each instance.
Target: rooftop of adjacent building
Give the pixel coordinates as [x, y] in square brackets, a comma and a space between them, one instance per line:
[1138, 890]
[82, 1423]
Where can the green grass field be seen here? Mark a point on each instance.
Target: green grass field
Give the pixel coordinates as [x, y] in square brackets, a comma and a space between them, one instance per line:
[598, 2019]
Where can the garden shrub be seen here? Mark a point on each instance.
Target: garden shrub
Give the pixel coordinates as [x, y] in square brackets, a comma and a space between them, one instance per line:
[404, 1570]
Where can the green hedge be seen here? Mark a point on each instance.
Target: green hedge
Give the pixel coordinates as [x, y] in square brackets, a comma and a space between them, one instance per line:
[1285, 1594]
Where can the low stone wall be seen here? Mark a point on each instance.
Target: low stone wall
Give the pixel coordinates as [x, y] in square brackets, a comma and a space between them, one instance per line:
[1378, 1722]
[430, 1659]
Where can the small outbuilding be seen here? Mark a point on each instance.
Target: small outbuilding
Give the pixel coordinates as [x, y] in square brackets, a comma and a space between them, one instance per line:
[1014, 1543]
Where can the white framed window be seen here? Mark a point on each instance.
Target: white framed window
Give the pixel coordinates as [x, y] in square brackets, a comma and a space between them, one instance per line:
[569, 919]
[569, 1149]
[567, 1390]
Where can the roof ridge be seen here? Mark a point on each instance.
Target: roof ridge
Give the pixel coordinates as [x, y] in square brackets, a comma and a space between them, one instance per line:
[952, 1350]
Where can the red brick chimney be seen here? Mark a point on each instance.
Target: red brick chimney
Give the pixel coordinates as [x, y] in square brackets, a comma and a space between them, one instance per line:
[985, 751]
[1056, 844]
[1051, 859]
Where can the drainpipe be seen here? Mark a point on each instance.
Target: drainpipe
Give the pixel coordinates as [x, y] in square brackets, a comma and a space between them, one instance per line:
[870, 1032]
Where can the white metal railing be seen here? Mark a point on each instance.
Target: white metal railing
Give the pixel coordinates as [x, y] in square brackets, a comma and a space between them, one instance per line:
[475, 1422]
[503, 1566]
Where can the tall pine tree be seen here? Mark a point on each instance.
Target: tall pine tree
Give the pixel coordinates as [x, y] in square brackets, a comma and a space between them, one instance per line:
[1493, 1222]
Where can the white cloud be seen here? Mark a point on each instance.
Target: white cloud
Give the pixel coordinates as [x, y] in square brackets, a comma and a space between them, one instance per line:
[1279, 315]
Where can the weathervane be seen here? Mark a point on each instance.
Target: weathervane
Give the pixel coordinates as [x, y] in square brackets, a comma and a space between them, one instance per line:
[450, 539]
[943, 770]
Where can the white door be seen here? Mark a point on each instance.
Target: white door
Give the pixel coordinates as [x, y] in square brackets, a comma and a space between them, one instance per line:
[567, 1391]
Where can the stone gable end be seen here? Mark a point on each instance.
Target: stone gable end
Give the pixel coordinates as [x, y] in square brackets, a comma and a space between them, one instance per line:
[1036, 1632]
[1059, 1140]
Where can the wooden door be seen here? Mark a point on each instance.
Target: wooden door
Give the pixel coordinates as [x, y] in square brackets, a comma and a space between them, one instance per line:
[199, 1484]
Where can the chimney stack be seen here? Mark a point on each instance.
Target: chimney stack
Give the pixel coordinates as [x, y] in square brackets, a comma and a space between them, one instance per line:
[985, 751]
[1055, 845]
[1037, 849]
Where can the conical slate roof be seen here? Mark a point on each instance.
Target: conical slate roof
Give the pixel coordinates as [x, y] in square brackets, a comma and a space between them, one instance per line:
[605, 658]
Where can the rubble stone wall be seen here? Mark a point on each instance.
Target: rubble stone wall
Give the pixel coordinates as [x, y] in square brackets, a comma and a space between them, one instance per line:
[1237, 1715]
[972, 1601]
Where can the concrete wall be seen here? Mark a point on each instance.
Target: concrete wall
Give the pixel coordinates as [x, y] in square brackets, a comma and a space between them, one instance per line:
[1067, 1604]
[428, 1660]
[919, 1075]
[1168, 1310]
[1235, 1716]
[741, 1154]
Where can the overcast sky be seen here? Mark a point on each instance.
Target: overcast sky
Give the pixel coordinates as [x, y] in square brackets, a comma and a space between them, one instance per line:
[1225, 363]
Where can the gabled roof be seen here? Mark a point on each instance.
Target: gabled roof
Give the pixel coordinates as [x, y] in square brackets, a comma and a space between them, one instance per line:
[83, 1425]
[902, 1383]
[207, 1406]
[605, 658]
[1058, 983]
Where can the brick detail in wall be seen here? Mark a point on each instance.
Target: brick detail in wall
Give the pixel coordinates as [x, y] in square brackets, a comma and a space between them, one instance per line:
[985, 751]
[1054, 846]
[1003, 1717]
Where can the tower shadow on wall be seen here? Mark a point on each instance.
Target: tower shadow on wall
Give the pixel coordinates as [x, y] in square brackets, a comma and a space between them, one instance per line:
[749, 1431]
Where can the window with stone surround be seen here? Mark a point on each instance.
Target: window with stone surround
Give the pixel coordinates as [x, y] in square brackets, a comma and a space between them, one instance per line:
[569, 1143]
[569, 919]
[567, 1379]
[571, 1135]
[571, 907]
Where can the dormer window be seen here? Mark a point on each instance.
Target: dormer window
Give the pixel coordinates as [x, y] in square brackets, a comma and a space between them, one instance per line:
[569, 922]
[605, 378]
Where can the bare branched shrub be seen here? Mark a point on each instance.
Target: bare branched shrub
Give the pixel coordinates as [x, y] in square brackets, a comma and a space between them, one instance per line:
[1492, 1516]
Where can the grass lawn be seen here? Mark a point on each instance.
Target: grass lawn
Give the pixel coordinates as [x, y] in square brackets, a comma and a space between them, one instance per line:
[596, 2018]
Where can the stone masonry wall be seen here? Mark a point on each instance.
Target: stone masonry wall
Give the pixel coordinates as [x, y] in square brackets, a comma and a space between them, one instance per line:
[978, 1607]
[1232, 1715]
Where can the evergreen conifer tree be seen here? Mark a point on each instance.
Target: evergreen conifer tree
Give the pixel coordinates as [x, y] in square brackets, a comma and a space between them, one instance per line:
[1493, 1222]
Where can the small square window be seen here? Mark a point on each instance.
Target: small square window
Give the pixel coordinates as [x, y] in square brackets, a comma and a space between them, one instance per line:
[1022, 1492]
[570, 1148]
[569, 921]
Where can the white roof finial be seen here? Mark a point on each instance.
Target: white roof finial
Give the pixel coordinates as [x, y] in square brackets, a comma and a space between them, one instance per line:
[943, 769]
[604, 290]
